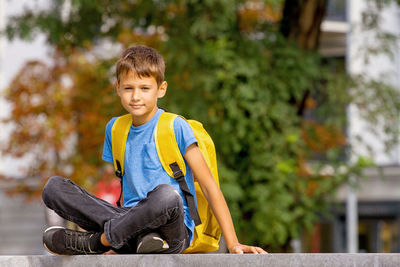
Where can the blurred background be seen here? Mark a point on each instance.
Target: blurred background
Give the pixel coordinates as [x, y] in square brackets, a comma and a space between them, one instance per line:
[301, 98]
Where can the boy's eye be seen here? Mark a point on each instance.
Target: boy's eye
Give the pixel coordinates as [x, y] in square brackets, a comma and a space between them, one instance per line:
[145, 88]
[128, 88]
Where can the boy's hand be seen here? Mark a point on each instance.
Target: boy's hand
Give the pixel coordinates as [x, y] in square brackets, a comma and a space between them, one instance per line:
[240, 249]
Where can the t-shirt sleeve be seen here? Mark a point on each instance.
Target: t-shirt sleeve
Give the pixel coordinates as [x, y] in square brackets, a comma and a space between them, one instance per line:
[184, 134]
[107, 148]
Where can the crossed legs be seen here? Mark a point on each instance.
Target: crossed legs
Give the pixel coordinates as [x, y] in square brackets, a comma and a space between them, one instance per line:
[161, 211]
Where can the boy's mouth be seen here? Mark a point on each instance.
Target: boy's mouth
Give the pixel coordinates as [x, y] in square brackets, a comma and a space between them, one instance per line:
[136, 106]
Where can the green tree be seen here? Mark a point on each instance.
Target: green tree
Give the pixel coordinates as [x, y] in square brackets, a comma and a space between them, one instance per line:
[247, 69]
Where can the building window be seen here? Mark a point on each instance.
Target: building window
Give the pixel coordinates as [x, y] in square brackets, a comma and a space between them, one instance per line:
[336, 10]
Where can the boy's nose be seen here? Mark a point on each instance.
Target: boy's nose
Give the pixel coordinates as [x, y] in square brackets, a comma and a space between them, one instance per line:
[135, 95]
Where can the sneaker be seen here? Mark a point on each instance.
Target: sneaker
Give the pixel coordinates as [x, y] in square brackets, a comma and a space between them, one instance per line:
[61, 241]
[151, 243]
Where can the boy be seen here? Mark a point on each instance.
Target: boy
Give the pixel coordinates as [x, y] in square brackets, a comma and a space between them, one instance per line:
[155, 217]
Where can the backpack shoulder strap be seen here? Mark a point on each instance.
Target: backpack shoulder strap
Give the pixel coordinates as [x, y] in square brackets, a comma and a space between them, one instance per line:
[171, 159]
[166, 145]
[119, 134]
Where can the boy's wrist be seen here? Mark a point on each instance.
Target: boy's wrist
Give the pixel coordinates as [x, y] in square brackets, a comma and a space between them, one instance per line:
[232, 245]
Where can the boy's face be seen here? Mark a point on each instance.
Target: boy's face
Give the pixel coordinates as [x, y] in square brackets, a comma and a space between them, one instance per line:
[139, 96]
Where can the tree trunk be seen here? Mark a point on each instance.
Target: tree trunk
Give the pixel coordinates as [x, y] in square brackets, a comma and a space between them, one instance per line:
[301, 23]
[302, 20]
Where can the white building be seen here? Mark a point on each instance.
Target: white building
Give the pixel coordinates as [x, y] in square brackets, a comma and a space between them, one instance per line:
[377, 196]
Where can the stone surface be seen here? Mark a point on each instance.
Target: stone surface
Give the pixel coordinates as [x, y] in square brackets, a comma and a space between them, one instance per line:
[209, 260]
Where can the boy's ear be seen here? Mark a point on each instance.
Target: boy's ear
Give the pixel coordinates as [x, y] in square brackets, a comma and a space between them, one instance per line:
[162, 90]
[117, 87]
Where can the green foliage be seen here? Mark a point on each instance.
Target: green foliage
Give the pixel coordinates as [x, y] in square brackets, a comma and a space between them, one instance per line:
[229, 67]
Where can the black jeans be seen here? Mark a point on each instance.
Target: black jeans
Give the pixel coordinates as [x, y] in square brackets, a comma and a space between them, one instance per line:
[161, 211]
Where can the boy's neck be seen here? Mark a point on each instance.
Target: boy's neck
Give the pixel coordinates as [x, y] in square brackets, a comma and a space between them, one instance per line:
[139, 121]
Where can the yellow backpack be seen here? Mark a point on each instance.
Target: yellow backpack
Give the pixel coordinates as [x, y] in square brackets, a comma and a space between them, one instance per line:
[207, 232]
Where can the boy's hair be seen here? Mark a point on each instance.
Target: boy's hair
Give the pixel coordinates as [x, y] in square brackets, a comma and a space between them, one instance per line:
[143, 61]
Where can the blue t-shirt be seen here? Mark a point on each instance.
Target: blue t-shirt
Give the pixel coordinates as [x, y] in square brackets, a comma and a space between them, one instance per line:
[143, 169]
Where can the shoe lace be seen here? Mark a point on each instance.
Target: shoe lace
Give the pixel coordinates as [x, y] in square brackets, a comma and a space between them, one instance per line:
[79, 241]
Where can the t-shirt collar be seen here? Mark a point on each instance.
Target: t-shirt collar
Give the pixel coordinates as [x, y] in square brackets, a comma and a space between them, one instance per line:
[150, 122]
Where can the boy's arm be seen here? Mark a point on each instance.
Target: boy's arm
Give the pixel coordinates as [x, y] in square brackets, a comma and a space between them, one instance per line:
[216, 200]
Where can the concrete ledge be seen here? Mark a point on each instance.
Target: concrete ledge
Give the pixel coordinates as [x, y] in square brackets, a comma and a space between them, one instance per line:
[209, 260]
